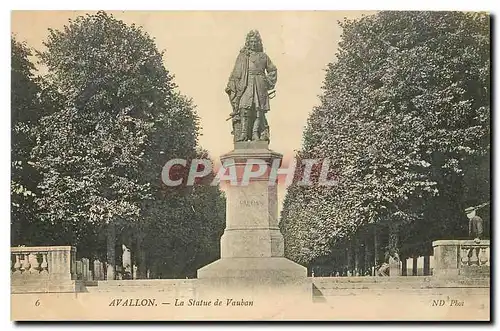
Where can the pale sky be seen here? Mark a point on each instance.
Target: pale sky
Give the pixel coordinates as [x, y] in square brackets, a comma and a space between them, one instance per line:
[201, 48]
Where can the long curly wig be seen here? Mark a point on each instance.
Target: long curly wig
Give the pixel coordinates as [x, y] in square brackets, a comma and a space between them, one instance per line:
[254, 34]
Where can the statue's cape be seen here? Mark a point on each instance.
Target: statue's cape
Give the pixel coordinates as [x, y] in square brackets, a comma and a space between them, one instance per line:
[239, 78]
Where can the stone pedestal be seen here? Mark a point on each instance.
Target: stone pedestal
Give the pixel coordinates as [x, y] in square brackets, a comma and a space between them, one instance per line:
[252, 248]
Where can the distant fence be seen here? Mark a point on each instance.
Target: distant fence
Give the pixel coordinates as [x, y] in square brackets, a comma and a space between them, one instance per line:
[96, 270]
[419, 266]
[450, 258]
[416, 266]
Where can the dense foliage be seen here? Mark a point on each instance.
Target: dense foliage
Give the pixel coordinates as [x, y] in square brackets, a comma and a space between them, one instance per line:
[25, 112]
[405, 120]
[92, 150]
[116, 119]
[184, 235]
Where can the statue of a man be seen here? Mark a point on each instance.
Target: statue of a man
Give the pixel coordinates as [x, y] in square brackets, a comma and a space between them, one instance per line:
[249, 88]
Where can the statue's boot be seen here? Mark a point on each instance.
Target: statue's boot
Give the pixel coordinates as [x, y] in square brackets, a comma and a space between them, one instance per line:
[244, 129]
[265, 134]
[236, 130]
[256, 128]
[255, 135]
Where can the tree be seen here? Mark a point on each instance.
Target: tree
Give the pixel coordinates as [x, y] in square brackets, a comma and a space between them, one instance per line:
[404, 118]
[25, 113]
[185, 227]
[102, 152]
[97, 153]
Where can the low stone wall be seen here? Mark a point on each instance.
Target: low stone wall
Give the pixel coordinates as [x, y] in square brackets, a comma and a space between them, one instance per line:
[41, 275]
[55, 269]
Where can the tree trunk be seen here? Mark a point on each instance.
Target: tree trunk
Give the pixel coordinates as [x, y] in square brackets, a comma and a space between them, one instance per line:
[375, 246]
[357, 257]
[110, 242]
[367, 266]
[404, 269]
[393, 237]
[141, 257]
[130, 245]
[427, 266]
[349, 259]
[15, 230]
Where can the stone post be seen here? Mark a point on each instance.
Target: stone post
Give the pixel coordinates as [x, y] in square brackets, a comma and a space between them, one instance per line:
[409, 266]
[110, 243]
[446, 254]
[394, 268]
[62, 263]
[79, 270]
[98, 272]
[85, 269]
[420, 266]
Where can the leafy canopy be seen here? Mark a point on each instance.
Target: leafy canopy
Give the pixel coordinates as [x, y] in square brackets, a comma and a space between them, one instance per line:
[404, 118]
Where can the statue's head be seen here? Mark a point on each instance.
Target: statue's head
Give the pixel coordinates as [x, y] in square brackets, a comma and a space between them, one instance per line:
[254, 41]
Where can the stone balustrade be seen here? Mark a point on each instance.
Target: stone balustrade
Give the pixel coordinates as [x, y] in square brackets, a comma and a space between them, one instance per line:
[38, 266]
[461, 257]
[476, 254]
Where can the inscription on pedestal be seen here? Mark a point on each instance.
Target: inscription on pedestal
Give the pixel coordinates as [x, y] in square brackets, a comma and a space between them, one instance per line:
[251, 203]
